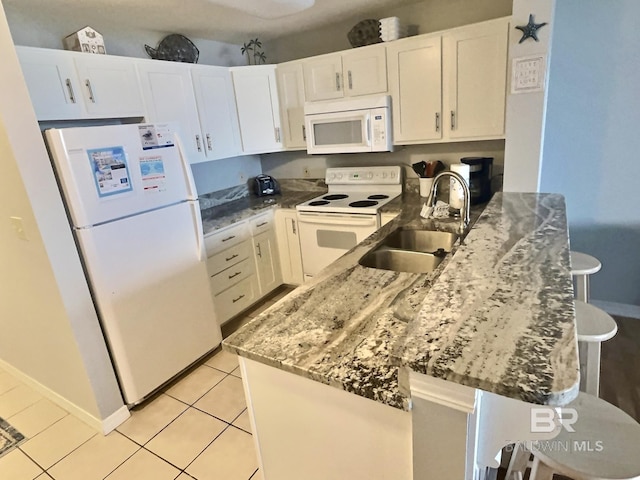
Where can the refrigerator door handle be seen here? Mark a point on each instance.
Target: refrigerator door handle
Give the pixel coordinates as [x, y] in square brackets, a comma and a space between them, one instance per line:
[192, 193]
[199, 232]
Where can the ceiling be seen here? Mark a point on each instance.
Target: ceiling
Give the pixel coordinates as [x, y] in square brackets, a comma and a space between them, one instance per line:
[198, 18]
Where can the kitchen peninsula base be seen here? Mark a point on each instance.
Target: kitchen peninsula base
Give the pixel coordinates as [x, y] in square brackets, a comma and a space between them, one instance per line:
[304, 429]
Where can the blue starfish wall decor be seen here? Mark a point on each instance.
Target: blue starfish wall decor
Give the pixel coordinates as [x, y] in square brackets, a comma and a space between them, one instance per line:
[530, 30]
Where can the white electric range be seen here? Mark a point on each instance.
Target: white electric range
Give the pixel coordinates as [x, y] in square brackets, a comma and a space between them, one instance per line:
[333, 223]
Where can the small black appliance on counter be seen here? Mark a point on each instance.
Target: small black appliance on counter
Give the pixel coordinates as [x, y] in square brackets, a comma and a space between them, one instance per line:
[265, 185]
[480, 170]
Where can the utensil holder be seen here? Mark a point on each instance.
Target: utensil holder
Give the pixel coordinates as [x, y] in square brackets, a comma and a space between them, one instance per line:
[425, 186]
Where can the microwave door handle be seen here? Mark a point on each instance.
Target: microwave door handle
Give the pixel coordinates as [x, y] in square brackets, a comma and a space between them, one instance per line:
[368, 130]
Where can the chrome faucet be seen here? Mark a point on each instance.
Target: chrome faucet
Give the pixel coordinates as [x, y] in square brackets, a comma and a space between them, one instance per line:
[464, 211]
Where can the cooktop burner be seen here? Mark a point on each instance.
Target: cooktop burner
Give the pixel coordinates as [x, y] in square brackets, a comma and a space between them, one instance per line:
[363, 203]
[377, 197]
[317, 203]
[335, 196]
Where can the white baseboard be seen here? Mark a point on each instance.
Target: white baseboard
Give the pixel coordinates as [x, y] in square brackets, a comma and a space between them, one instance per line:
[621, 309]
[105, 425]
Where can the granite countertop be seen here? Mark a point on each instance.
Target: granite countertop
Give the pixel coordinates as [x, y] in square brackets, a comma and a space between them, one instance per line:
[220, 216]
[497, 314]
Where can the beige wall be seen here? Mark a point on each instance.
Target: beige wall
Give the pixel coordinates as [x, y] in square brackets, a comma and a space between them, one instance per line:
[427, 16]
[49, 328]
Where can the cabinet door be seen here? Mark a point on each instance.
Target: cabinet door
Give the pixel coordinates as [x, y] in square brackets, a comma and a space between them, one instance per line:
[258, 110]
[415, 81]
[217, 111]
[52, 83]
[168, 97]
[365, 71]
[290, 79]
[267, 264]
[323, 77]
[109, 85]
[289, 246]
[475, 70]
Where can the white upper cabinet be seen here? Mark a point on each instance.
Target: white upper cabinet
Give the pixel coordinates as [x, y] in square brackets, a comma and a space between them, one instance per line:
[217, 111]
[52, 82]
[258, 108]
[449, 86]
[474, 73]
[361, 71]
[365, 70]
[168, 97]
[200, 99]
[67, 85]
[109, 85]
[415, 83]
[290, 80]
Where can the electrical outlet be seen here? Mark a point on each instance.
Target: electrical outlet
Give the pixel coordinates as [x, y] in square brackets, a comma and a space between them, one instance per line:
[305, 172]
[18, 227]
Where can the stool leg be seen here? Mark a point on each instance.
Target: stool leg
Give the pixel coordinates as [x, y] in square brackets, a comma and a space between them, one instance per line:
[582, 288]
[592, 380]
[540, 471]
[518, 462]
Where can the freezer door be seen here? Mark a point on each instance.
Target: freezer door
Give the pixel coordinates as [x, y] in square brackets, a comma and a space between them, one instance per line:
[110, 172]
[151, 288]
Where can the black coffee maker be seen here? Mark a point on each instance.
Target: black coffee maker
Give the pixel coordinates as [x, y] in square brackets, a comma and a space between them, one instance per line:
[480, 170]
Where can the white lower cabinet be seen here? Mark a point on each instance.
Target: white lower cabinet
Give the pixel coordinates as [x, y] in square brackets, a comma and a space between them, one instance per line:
[243, 264]
[266, 252]
[386, 217]
[289, 246]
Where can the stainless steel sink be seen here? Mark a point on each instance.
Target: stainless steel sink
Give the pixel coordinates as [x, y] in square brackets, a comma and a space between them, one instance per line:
[407, 250]
[397, 260]
[428, 241]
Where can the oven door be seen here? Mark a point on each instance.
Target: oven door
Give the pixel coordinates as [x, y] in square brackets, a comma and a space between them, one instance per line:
[324, 237]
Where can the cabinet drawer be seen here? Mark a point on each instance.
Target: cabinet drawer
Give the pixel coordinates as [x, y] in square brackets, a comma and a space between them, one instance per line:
[228, 237]
[235, 299]
[218, 262]
[261, 223]
[232, 275]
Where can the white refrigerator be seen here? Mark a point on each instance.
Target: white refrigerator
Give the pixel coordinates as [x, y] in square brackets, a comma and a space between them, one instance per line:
[135, 214]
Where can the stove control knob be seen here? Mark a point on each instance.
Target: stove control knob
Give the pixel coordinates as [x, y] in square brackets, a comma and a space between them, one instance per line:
[339, 176]
[332, 176]
[384, 174]
[370, 175]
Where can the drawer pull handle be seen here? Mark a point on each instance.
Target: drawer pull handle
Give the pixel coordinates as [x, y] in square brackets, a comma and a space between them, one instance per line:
[259, 253]
[237, 299]
[198, 143]
[231, 257]
[228, 238]
[293, 227]
[337, 82]
[453, 120]
[437, 122]
[234, 275]
[87, 83]
[262, 224]
[209, 145]
[72, 97]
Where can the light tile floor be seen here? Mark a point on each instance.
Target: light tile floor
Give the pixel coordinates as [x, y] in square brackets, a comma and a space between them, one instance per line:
[196, 428]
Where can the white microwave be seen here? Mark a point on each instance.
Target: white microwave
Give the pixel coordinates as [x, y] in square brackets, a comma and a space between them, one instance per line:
[348, 126]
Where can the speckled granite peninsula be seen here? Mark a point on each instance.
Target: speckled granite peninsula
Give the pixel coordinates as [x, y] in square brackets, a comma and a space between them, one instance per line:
[497, 314]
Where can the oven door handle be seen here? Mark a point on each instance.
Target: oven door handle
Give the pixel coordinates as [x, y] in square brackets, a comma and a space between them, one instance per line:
[352, 220]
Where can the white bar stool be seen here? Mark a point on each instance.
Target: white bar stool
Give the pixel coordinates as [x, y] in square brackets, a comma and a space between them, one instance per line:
[604, 445]
[593, 326]
[583, 265]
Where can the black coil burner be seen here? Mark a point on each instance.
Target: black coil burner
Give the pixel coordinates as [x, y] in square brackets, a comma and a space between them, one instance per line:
[363, 203]
[317, 203]
[335, 196]
[379, 196]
